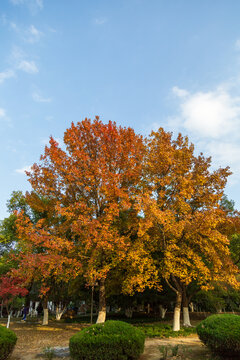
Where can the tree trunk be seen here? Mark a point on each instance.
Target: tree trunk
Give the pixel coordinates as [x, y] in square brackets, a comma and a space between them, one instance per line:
[9, 313]
[45, 312]
[102, 303]
[92, 305]
[186, 317]
[148, 308]
[129, 312]
[162, 311]
[60, 311]
[177, 311]
[8, 322]
[1, 313]
[191, 307]
[35, 309]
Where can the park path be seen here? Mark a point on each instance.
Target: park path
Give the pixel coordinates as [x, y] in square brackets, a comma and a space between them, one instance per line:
[33, 338]
[152, 347]
[151, 350]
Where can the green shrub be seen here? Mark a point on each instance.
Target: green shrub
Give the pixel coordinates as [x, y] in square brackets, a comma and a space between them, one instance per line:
[221, 333]
[164, 330]
[7, 342]
[113, 340]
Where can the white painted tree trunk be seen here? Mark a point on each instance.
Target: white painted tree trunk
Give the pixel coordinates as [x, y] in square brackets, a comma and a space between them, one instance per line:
[45, 316]
[8, 322]
[176, 319]
[148, 308]
[59, 311]
[162, 311]
[129, 312]
[101, 317]
[1, 309]
[185, 303]
[59, 315]
[35, 312]
[186, 317]
[177, 312]
[102, 303]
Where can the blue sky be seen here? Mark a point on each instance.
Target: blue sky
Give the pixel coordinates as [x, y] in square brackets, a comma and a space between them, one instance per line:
[141, 63]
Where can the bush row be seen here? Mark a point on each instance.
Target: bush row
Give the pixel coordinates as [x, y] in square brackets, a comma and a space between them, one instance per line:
[8, 340]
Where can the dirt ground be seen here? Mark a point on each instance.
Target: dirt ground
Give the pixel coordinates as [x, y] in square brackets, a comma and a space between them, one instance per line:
[189, 348]
[33, 338]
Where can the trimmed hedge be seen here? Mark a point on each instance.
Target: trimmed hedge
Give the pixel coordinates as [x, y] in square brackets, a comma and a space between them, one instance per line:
[112, 340]
[221, 333]
[8, 340]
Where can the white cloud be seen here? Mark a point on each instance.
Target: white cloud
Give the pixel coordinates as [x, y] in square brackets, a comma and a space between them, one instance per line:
[45, 141]
[33, 31]
[237, 44]
[49, 118]
[13, 26]
[7, 74]
[20, 62]
[17, 54]
[2, 113]
[224, 151]
[17, 2]
[39, 98]
[179, 92]
[39, 3]
[32, 35]
[31, 4]
[211, 114]
[28, 66]
[11, 148]
[211, 119]
[52, 30]
[3, 19]
[100, 21]
[5, 118]
[23, 169]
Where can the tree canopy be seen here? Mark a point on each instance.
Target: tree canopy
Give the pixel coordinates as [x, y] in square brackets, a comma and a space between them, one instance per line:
[110, 206]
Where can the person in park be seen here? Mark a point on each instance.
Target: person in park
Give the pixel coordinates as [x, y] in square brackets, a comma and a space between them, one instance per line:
[25, 312]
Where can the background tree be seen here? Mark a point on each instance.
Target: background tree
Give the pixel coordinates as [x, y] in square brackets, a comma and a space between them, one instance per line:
[44, 253]
[10, 288]
[182, 217]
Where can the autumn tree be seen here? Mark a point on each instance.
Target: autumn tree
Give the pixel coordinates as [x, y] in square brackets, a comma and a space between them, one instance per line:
[182, 217]
[44, 254]
[10, 288]
[21, 261]
[89, 182]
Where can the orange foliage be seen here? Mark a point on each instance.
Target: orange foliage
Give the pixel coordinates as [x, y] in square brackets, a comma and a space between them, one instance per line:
[81, 190]
[182, 216]
[170, 196]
